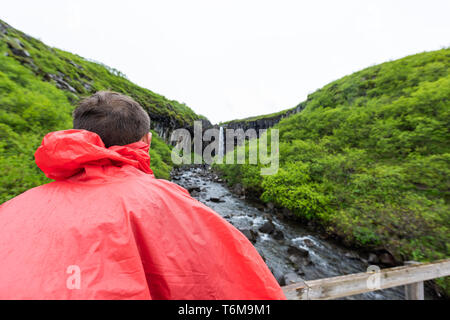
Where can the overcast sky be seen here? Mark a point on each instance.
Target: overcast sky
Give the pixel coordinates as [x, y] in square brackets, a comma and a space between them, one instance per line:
[234, 59]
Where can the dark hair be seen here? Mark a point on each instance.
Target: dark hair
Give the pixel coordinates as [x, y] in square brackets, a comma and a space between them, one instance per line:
[116, 118]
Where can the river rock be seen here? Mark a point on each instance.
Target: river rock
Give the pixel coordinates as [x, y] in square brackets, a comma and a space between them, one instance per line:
[194, 193]
[215, 199]
[299, 261]
[278, 235]
[387, 259]
[297, 251]
[292, 277]
[193, 188]
[250, 234]
[267, 227]
[299, 256]
[308, 242]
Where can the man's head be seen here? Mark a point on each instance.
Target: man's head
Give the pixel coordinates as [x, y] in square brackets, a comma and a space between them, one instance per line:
[116, 118]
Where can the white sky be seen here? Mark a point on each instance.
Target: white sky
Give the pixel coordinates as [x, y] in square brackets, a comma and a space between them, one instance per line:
[234, 59]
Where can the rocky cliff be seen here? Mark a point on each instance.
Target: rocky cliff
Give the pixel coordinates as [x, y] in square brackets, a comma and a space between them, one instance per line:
[259, 122]
[80, 77]
[263, 122]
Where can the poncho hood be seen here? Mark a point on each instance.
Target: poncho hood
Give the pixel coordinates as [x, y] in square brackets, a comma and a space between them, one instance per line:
[66, 153]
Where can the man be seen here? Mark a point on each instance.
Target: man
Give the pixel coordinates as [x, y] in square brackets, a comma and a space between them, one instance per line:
[107, 229]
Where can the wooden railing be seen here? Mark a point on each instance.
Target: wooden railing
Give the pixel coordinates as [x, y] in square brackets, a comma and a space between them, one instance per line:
[412, 276]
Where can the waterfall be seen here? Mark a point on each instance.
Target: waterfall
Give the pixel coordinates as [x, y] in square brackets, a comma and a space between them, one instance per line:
[221, 143]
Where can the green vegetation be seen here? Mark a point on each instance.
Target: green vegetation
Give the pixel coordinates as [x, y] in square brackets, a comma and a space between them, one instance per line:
[369, 159]
[39, 87]
[261, 117]
[160, 157]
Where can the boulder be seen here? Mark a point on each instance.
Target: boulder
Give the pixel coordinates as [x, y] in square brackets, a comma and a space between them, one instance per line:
[60, 82]
[17, 48]
[299, 261]
[267, 227]
[298, 256]
[387, 259]
[193, 188]
[250, 234]
[194, 193]
[20, 52]
[215, 199]
[308, 242]
[298, 251]
[278, 235]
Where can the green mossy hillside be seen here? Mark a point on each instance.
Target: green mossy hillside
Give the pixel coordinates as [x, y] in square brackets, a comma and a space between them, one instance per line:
[368, 159]
[39, 88]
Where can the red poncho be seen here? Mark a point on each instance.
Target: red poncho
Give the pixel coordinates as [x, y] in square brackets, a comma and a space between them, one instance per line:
[107, 229]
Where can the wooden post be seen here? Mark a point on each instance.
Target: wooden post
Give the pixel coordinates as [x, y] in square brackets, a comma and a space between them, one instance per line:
[414, 291]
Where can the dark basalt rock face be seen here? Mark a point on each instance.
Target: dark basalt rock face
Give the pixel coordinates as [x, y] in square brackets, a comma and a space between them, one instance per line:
[164, 126]
[263, 123]
[260, 124]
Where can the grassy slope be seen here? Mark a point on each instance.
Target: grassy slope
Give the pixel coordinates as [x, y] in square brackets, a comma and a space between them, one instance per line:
[369, 158]
[32, 104]
[261, 117]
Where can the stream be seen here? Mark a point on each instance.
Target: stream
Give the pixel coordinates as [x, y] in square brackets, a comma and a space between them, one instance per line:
[290, 251]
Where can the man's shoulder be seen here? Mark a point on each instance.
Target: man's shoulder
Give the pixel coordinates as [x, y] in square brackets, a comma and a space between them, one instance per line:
[28, 195]
[169, 186]
[161, 188]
